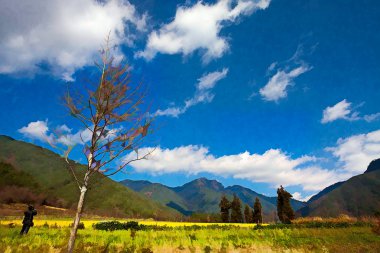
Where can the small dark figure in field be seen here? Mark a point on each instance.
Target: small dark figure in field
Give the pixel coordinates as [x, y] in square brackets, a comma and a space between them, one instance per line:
[27, 222]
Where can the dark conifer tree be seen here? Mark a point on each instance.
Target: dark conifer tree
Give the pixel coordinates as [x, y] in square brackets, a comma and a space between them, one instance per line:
[225, 206]
[236, 213]
[257, 212]
[247, 214]
[284, 209]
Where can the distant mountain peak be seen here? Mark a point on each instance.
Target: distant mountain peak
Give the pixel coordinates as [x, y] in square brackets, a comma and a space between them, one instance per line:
[374, 165]
[204, 182]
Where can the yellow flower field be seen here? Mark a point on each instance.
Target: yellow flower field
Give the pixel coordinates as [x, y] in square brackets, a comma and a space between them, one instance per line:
[89, 222]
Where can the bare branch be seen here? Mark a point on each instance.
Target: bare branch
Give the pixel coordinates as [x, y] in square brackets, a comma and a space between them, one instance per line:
[130, 161]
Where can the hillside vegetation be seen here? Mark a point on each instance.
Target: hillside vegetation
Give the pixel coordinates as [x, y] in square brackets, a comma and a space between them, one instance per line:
[358, 196]
[31, 174]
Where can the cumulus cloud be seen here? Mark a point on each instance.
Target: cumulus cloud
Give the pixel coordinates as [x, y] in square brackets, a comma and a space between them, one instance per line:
[79, 137]
[62, 34]
[39, 130]
[198, 28]
[343, 110]
[202, 94]
[274, 166]
[276, 88]
[357, 151]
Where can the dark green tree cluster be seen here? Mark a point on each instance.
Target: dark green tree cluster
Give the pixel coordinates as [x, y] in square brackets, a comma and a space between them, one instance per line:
[248, 214]
[257, 216]
[225, 206]
[236, 215]
[284, 209]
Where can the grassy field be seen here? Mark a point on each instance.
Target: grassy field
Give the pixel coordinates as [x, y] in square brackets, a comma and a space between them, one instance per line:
[177, 238]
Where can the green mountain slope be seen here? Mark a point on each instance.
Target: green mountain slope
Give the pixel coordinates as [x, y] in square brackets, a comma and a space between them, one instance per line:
[159, 193]
[203, 196]
[26, 169]
[358, 196]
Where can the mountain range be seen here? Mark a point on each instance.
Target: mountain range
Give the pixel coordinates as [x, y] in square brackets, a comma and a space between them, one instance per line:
[203, 196]
[29, 173]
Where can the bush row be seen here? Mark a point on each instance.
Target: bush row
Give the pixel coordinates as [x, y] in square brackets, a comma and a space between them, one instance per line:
[133, 225]
[317, 224]
[116, 225]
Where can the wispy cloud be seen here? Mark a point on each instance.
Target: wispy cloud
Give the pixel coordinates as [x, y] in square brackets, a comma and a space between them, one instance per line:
[343, 110]
[276, 88]
[285, 73]
[203, 94]
[198, 28]
[371, 117]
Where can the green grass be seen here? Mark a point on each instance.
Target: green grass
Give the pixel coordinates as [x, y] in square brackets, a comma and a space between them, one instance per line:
[40, 239]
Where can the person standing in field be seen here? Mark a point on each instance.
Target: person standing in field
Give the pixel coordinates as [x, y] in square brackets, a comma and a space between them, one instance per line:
[27, 222]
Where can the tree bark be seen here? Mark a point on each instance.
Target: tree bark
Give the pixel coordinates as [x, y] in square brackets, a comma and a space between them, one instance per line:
[74, 229]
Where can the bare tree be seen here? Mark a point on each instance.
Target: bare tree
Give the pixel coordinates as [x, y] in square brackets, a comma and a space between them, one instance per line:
[110, 110]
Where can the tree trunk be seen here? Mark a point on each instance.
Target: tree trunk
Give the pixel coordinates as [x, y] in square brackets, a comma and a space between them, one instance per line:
[74, 229]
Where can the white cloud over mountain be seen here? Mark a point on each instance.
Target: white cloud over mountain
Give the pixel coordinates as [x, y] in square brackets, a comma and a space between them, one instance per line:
[62, 34]
[203, 94]
[198, 28]
[273, 166]
[357, 151]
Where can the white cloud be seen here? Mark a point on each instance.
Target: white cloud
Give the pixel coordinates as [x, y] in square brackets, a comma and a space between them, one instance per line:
[64, 34]
[357, 151]
[79, 137]
[276, 87]
[274, 166]
[198, 27]
[341, 110]
[202, 94]
[37, 130]
[299, 196]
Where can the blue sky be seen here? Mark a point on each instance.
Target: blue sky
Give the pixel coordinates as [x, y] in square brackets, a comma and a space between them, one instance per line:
[250, 92]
